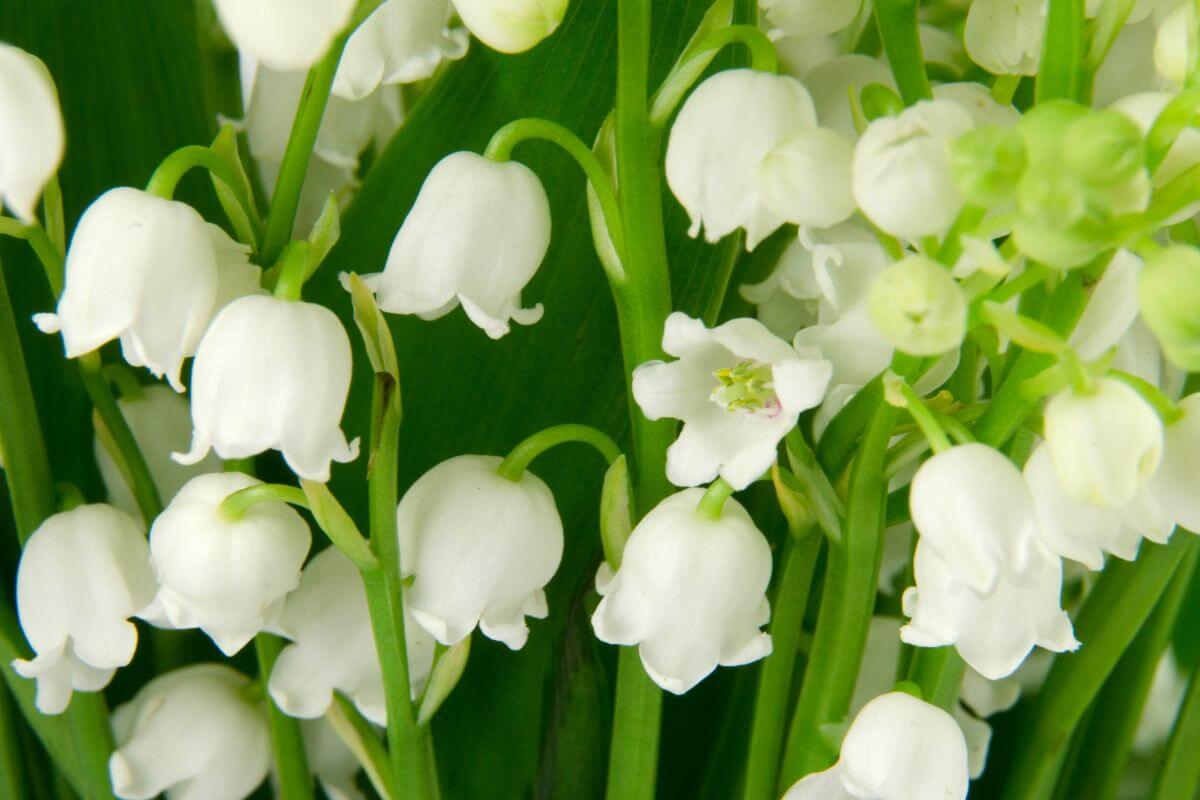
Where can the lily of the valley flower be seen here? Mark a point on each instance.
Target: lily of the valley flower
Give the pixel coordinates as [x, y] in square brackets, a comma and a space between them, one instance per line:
[690, 592]
[810, 17]
[284, 34]
[475, 236]
[333, 647]
[151, 272]
[272, 373]
[1105, 443]
[918, 306]
[331, 762]
[192, 733]
[31, 137]
[161, 424]
[745, 152]
[1173, 485]
[897, 748]
[82, 575]
[1005, 37]
[738, 389]
[511, 26]
[227, 577]
[480, 549]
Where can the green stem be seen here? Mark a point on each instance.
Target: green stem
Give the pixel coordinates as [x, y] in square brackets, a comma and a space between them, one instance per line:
[897, 20]
[236, 504]
[52, 211]
[925, 419]
[39, 241]
[167, 175]
[1114, 611]
[287, 742]
[293, 271]
[12, 766]
[517, 461]
[1179, 775]
[713, 501]
[1060, 74]
[762, 50]
[1167, 409]
[938, 671]
[775, 676]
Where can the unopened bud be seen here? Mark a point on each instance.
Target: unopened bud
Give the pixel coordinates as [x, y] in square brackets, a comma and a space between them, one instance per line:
[918, 307]
[1043, 126]
[988, 163]
[1103, 148]
[1169, 293]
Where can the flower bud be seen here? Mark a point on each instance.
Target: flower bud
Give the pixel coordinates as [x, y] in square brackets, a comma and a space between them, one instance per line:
[151, 272]
[918, 307]
[1042, 128]
[690, 592]
[810, 17]
[897, 747]
[31, 138]
[806, 180]
[1103, 148]
[284, 34]
[82, 575]
[511, 26]
[480, 549]
[988, 163]
[1005, 37]
[191, 733]
[1053, 197]
[225, 576]
[1169, 294]
[272, 374]
[475, 235]
[1175, 45]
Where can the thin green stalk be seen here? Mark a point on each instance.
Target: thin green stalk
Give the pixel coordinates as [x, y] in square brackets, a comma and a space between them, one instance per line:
[12, 765]
[1061, 70]
[518, 460]
[938, 671]
[775, 676]
[897, 20]
[1114, 611]
[1179, 775]
[287, 743]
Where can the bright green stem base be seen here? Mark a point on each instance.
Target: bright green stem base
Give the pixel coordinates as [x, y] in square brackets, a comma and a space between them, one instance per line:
[287, 744]
[633, 762]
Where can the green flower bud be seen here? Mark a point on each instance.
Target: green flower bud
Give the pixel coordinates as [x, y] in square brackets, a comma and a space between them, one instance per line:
[987, 164]
[918, 307]
[1062, 247]
[1042, 128]
[1169, 293]
[1052, 196]
[879, 101]
[1104, 148]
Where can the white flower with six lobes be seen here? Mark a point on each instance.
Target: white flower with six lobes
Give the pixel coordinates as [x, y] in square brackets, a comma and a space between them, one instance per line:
[284, 34]
[480, 549]
[228, 577]
[401, 42]
[475, 236]
[272, 373]
[161, 424]
[333, 646]
[192, 734]
[151, 272]
[1105, 444]
[738, 389]
[897, 748]
[82, 575]
[746, 152]
[511, 26]
[31, 135]
[690, 592]
[902, 175]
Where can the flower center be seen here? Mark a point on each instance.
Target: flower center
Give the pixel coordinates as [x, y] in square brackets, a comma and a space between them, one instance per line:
[746, 386]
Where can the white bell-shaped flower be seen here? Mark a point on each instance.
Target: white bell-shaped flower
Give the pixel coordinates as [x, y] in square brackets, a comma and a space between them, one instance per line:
[992, 631]
[480, 549]
[690, 592]
[161, 424]
[82, 575]
[745, 152]
[902, 176]
[1105, 444]
[475, 236]
[284, 34]
[1084, 532]
[1173, 485]
[1005, 37]
[151, 272]
[32, 138]
[511, 26]
[333, 646]
[194, 734]
[971, 507]
[897, 748]
[738, 389]
[401, 42]
[272, 374]
[810, 17]
[225, 576]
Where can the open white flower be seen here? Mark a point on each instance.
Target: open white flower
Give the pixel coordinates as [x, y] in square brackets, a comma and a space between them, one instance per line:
[897, 748]
[480, 549]
[1104, 444]
[161, 424]
[690, 592]
[511, 26]
[31, 138]
[738, 389]
[333, 646]
[1005, 37]
[82, 575]
[745, 152]
[225, 576]
[401, 42]
[475, 236]
[902, 175]
[151, 272]
[284, 34]
[192, 733]
[272, 373]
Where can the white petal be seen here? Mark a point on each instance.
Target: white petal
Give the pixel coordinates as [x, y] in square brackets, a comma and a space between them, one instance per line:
[511, 26]
[806, 179]
[284, 34]
[825, 785]
[401, 42]
[1111, 310]
[831, 81]
[32, 138]
[811, 17]
[1005, 37]
[1173, 485]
